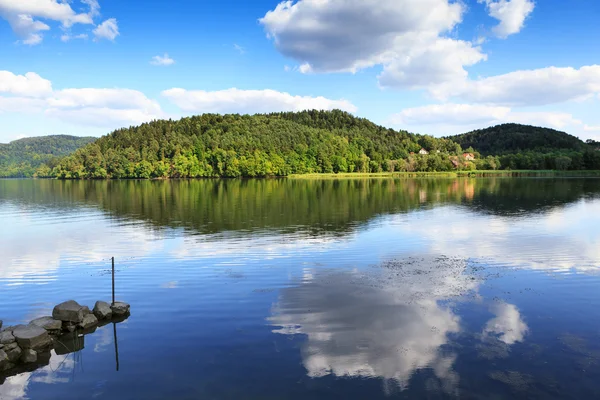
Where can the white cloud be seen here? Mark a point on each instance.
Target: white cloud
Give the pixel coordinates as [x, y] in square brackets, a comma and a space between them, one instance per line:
[451, 118]
[21, 105]
[66, 37]
[404, 36]
[441, 61]
[467, 114]
[102, 107]
[26, 28]
[239, 48]
[511, 14]
[507, 326]
[23, 16]
[28, 85]
[109, 29]
[162, 60]
[450, 114]
[30, 93]
[249, 101]
[528, 87]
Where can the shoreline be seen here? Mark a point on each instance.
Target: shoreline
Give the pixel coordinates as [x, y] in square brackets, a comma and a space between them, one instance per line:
[453, 174]
[368, 175]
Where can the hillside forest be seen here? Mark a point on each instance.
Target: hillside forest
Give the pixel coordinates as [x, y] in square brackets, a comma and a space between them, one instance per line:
[280, 144]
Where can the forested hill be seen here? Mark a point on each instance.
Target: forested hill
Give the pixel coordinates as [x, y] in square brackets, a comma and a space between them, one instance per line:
[20, 158]
[513, 138]
[232, 145]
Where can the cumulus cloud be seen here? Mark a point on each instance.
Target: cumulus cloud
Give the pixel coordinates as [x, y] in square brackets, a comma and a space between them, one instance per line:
[511, 14]
[478, 115]
[401, 35]
[507, 326]
[249, 101]
[162, 60]
[24, 16]
[27, 85]
[386, 326]
[528, 87]
[109, 30]
[30, 93]
[439, 62]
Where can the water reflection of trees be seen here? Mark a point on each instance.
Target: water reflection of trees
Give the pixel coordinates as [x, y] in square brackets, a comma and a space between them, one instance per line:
[313, 206]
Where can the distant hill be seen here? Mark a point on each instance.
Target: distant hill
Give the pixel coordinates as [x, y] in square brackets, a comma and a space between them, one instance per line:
[277, 144]
[514, 138]
[20, 158]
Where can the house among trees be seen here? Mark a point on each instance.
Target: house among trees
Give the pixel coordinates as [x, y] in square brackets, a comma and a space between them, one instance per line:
[469, 156]
[455, 162]
[423, 152]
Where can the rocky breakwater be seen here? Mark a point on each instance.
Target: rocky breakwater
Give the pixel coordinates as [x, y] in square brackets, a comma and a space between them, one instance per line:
[30, 344]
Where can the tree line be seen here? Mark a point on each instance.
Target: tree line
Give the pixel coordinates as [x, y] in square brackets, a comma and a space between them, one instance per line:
[280, 144]
[276, 144]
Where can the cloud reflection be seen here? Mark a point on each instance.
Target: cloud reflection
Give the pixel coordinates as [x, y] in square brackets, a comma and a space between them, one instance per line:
[386, 326]
[507, 326]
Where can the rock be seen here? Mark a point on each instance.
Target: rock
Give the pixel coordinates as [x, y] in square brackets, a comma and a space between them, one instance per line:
[68, 326]
[120, 308]
[86, 310]
[14, 354]
[102, 310]
[0, 324]
[6, 337]
[89, 321]
[10, 346]
[3, 360]
[69, 311]
[69, 343]
[29, 356]
[32, 337]
[48, 323]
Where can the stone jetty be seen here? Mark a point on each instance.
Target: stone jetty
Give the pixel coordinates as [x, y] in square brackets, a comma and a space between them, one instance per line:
[24, 346]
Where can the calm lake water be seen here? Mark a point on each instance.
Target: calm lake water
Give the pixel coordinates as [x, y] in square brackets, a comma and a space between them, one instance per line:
[293, 289]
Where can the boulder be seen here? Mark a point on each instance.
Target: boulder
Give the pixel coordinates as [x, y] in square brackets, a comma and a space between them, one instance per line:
[68, 326]
[120, 308]
[3, 360]
[89, 321]
[14, 354]
[48, 323]
[6, 337]
[29, 356]
[86, 310]
[69, 343]
[102, 310]
[10, 346]
[32, 337]
[69, 311]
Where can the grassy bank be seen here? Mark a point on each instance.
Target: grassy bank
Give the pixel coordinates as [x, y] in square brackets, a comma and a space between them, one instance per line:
[453, 174]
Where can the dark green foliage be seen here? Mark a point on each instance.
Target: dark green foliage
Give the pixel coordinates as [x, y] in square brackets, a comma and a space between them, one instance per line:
[275, 144]
[529, 147]
[513, 138]
[21, 158]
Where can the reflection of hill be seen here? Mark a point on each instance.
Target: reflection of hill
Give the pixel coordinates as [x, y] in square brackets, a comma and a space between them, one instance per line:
[316, 206]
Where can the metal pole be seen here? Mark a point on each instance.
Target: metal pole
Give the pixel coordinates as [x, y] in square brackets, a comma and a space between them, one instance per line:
[113, 280]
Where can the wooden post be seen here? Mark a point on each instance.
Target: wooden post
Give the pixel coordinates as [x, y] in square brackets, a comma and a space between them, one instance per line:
[116, 344]
[113, 280]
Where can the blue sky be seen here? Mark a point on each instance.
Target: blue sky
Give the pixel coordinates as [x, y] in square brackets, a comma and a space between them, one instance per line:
[86, 67]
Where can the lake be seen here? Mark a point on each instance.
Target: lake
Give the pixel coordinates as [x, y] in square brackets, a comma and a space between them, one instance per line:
[484, 288]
